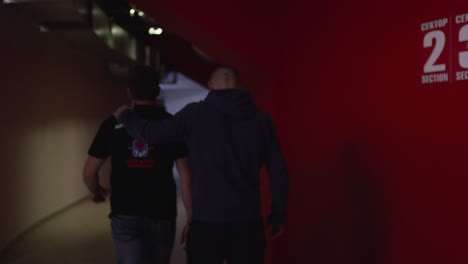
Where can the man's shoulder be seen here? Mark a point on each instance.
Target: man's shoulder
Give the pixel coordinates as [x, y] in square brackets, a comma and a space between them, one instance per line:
[110, 120]
[111, 124]
[191, 107]
[195, 104]
[161, 114]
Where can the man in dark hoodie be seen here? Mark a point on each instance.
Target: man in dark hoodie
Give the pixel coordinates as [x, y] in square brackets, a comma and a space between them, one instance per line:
[228, 140]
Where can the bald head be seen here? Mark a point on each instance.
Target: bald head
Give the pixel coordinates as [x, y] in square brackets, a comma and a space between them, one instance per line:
[223, 78]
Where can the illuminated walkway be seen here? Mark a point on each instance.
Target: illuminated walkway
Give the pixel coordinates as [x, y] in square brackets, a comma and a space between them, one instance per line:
[78, 235]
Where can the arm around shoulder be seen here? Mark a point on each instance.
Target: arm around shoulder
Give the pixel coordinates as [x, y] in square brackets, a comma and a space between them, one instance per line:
[175, 128]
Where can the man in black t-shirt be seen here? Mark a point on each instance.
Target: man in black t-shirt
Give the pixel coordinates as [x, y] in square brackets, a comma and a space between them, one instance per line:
[143, 190]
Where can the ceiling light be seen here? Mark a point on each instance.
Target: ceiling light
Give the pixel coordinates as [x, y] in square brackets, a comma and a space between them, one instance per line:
[158, 31]
[132, 12]
[155, 31]
[42, 28]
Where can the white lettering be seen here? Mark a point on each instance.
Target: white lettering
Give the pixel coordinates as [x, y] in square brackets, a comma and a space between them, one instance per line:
[463, 55]
[435, 78]
[461, 18]
[439, 38]
[462, 75]
[440, 23]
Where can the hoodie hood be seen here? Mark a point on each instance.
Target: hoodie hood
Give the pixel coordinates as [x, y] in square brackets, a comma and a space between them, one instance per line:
[236, 103]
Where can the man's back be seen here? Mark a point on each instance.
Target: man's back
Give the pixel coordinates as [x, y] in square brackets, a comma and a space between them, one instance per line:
[141, 175]
[143, 199]
[228, 140]
[231, 138]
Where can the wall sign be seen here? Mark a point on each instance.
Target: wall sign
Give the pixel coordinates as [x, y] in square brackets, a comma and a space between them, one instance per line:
[445, 50]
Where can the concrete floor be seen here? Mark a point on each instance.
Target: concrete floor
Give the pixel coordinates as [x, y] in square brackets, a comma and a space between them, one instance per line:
[80, 234]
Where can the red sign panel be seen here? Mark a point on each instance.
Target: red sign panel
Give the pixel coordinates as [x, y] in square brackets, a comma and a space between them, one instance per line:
[436, 51]
[460, 47]
[445, 50]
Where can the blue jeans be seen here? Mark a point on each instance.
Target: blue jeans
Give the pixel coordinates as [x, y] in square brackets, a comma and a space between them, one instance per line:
[139, 240]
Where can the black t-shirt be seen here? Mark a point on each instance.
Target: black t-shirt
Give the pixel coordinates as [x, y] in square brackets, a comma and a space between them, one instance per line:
[142, 182]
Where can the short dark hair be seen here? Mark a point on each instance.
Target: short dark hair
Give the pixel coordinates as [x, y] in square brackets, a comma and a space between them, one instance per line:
[230, 69]
[144, 83]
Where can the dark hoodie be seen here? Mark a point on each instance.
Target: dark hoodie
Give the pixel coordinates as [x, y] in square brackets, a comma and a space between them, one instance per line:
[228, 140]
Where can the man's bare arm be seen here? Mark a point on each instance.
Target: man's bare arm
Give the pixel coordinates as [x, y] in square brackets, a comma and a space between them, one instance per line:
[186, 191]
[185, 187]
[91, 175]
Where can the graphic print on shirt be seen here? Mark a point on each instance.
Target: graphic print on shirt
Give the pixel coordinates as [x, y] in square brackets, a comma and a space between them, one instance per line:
[140, 149]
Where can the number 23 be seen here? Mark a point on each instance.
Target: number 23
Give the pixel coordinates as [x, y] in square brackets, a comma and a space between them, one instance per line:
[439, 46]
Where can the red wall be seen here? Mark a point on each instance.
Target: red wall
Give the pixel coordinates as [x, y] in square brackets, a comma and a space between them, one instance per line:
[376, 159]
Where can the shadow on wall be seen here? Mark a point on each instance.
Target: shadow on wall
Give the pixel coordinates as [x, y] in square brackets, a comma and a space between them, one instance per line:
[365, 206]
[340, 215]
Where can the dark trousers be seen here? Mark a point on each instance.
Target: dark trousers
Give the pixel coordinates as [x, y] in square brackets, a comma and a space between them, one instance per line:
[139, 240]
[237, 243]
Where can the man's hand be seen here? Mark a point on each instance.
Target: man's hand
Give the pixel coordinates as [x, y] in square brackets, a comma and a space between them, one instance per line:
[119, 111]
[99, 194]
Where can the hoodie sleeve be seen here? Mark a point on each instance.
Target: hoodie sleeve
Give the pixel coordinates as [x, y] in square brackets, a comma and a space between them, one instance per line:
[175, 128]
[279, 180]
